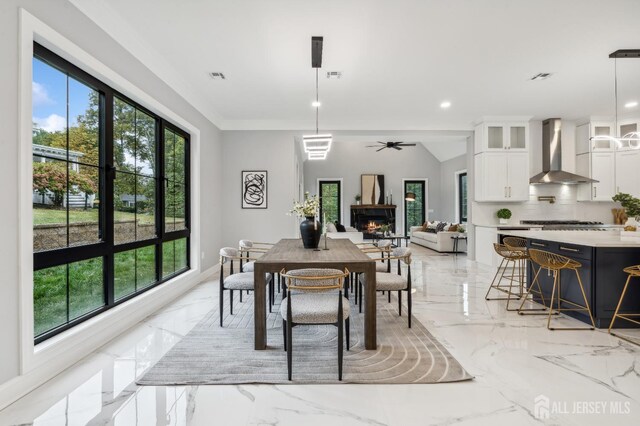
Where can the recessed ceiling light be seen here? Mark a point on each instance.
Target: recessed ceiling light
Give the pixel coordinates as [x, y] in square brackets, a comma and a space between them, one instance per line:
[541, 76]
[445, 104]
[631, 104]
[217, 76]
[334, 74]
[316, 104]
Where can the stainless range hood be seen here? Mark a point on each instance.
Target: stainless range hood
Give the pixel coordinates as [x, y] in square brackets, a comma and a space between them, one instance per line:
[552, 157]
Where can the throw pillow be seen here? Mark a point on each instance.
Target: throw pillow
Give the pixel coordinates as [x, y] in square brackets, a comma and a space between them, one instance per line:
[433, 225]
[453, 228]
[431, 230]
[425, 226]
[340, 227]
[440, 227]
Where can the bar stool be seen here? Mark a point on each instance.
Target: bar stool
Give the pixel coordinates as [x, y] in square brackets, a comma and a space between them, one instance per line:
[520, 244]
[556, 263]
[509, 257]
[632, 271]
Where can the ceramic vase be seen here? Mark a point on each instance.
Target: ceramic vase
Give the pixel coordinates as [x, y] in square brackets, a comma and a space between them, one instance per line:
[310, 231]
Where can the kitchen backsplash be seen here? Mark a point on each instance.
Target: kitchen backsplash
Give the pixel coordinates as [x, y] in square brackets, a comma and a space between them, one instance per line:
[565, 207]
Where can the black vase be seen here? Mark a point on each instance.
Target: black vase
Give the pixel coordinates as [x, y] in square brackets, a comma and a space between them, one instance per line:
[310, 231]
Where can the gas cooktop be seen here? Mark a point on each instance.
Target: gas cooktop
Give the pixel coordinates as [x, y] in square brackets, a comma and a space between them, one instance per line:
[569, 225]
[559, 222]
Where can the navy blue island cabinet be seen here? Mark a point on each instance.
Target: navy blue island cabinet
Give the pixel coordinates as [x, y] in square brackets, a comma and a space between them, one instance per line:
[601, 274]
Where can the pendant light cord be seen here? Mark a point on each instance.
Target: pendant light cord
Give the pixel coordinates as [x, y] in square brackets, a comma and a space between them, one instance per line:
[615, 85]
[317, 101]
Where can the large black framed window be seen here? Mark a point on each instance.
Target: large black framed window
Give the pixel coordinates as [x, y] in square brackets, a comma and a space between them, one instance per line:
[462, 197]
[414, 211]
[110, 196]
[330, 200]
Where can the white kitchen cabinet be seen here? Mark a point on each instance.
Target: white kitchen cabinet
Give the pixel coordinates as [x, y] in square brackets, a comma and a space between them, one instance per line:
[501, 136]
[601, 167]
[628, 126]
[584, 133]
[627, 172]
[518, 176]
[502, 176]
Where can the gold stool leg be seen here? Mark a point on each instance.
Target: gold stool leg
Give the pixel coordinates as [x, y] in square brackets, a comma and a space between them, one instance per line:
[586, 302]
[624, 317]
[486, 296]
[624, 291]
[577, 306]
[513, 278]
[553, 294]
[502, 268]
[534, 311]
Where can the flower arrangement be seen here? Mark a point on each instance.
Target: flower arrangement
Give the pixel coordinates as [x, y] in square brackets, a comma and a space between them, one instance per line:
[308, 208]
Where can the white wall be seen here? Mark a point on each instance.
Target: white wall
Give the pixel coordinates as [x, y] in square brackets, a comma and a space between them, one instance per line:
[274, 151]
[349, 160]
[448, 186]
[68, 21]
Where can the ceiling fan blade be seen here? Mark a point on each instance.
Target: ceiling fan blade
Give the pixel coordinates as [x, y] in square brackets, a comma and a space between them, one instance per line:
[378, 150]
[372, 146]
[397, 147]
[383, 143]
[406, 144]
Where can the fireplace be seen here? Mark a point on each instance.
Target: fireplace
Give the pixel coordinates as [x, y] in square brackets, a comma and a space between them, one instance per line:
[369, 218]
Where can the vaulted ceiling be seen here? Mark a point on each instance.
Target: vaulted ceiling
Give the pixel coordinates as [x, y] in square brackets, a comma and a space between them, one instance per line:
[400, 59]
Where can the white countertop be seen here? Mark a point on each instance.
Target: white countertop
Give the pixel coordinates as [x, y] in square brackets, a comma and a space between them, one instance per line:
[581, 238]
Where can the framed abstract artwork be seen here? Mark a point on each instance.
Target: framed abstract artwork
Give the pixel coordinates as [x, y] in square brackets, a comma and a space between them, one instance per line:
[254, 189]
[372, 189]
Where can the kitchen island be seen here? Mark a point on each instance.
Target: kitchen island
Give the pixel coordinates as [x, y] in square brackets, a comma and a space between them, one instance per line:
[603, 255]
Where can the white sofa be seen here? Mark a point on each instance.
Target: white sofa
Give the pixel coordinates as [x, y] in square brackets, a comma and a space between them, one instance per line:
[352, 233]
[441, 241]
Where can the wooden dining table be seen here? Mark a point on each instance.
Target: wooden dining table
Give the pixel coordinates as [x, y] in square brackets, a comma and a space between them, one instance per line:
[290, 254]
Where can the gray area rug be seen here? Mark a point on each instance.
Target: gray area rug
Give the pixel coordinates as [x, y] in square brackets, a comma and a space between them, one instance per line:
[209, 354]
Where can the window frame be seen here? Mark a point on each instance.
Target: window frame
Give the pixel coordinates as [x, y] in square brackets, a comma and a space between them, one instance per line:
[327, 181]
[423, 184]
[459, 197]
[106, 248]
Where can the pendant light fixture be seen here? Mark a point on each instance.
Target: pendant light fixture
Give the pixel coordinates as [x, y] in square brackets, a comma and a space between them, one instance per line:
[317, 146]
[410, 196]
[630, 139]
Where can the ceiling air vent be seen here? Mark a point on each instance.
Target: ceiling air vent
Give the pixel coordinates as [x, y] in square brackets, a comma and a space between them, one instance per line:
[541, 76]
[217, 76]
[334, 74]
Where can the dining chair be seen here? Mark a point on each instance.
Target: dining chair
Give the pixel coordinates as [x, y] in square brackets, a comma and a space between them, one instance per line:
[382, 250]
[388, 281]
[314, 297]
[247, 247]
[240, 281]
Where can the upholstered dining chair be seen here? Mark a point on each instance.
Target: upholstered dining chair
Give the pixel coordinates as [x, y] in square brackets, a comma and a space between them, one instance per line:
[381, 251]
[247, 247]
[388, 281]
[314, 297]
[250, 248]
[240, 281]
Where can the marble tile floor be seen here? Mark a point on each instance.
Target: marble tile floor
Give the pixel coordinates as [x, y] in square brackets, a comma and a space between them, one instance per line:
[587, 377]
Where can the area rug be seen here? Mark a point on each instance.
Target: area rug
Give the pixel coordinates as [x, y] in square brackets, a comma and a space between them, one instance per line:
[209, 354]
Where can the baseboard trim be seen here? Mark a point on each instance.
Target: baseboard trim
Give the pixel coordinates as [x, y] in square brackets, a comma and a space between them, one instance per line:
[103, 330]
